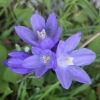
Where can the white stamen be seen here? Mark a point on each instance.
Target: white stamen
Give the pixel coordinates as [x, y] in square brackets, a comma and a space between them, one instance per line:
[46, 58]
[42, 35]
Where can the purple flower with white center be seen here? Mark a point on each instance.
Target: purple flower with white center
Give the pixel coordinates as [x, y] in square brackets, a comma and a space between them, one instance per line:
[69, 60]
[15, 62]
[44, 35]
[41, 61]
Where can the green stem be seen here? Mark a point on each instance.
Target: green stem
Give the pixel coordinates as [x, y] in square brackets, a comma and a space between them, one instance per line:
[73, 2]
[70, 7]
[54, 86]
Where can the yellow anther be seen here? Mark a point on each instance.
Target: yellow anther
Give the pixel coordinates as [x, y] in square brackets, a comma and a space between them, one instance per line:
[46, 58]
[69, 61]
[41, 33]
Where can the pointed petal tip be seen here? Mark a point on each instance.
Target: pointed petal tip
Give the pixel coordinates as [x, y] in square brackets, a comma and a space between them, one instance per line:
[51, 25]
[52, 13]
[79, 34]
[40, 71]
[5, 62]
[17, 27]
[34, 15]
[94, 56]
[64, 77]
[11, 54]
[87, 82]
[72, 42]
[37, 22]
[37, 76]
[66, 87]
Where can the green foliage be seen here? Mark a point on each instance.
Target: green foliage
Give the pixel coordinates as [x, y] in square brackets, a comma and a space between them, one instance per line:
[89, 9]
[5, 3]
[10, 76]
[6, 93]
[73, 16]
[23, 15]
[94, 45]
[80, 17]
[3, 56]
[3, 86]
[37, 81]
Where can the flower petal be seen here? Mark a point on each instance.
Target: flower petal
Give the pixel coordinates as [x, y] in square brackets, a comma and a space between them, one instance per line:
[54, 67]
[47, 43]
[83, 56]
[40, 71]
[25, 34]
[32, 62]
[51, 25]
[22, 70]
[33, 42]
[37, 22]
[5, 62]
[36, 50]
[72, 42]
[19, 54]
[64, 77]
[13, 62]
[57, 35]
[60, 48]
[79, 74]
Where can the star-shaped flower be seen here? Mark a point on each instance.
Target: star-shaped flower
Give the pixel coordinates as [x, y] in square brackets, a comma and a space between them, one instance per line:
[69, 60]
[40, 61]
[43, 35]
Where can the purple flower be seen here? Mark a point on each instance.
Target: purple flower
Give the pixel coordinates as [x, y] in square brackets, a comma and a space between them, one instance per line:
[41, 61]
[15, 62]
[69, 60]
[43, 35]
[24, 63]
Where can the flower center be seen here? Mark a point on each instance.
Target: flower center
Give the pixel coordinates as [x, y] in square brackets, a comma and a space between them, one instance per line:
[46, 58]
[69, 60]
[65, 61]
[42, 35]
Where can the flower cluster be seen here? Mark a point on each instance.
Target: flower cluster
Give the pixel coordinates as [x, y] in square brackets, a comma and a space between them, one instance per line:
[43, 37]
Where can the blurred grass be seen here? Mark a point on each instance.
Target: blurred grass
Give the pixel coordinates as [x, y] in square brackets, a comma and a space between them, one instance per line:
[73, 16]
